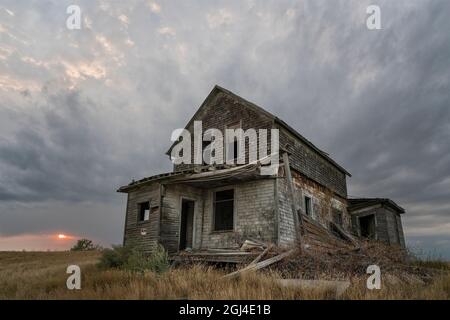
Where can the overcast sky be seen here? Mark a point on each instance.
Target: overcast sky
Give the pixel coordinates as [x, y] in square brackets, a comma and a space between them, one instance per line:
[83, 112]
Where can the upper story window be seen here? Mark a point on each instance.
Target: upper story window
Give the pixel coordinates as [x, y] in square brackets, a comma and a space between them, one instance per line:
[206, 158]
[232, 146]
[144, 211]
[308, 206]
[223, 210]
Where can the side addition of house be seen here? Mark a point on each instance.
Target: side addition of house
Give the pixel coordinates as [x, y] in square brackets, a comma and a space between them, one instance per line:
[200, 207]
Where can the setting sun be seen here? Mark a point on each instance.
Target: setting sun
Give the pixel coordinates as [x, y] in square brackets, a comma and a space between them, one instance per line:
[62, 236]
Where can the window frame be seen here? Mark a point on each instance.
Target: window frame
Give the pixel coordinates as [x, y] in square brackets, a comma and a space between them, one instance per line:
[213, 219]
[308, 196]
[139, 211]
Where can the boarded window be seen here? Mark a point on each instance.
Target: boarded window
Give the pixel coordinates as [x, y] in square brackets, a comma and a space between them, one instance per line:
[308, 206]
[223, 210]
[144, 211]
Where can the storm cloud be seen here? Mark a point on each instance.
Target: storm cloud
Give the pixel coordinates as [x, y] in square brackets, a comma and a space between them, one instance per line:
[85, 111]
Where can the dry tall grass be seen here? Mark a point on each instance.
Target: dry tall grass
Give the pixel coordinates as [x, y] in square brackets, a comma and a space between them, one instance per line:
[41, 275]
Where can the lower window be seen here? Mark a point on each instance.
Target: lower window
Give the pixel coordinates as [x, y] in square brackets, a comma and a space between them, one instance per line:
[223, 210]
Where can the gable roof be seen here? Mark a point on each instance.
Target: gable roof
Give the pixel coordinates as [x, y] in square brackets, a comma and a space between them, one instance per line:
[359, 203]
[217, 89]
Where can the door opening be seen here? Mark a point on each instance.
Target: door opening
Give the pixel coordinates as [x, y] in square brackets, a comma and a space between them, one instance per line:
[367, 226]
[187, 224]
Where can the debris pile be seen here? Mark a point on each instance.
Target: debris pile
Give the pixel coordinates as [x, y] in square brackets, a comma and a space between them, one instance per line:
[325, 254]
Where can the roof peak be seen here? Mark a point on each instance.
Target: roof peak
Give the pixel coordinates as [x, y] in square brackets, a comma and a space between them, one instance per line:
[218, 88]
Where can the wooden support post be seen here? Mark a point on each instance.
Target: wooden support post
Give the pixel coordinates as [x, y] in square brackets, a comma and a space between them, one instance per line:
[291, 188]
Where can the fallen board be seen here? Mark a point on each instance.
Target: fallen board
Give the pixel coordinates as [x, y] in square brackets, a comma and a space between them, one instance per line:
[260, 265]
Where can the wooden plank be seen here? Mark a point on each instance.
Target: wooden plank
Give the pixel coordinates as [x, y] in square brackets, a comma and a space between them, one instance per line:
[261, 255]
[260, 265]
[345, 234]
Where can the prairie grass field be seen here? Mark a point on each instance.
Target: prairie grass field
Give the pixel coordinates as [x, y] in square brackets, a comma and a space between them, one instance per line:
[42, 275]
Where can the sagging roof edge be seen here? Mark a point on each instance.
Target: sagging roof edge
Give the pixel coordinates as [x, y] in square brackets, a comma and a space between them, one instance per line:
[183, 175]
[218, 88]
[359, 203]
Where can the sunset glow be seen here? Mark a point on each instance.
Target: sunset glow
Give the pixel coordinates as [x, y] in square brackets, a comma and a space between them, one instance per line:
[62, 236]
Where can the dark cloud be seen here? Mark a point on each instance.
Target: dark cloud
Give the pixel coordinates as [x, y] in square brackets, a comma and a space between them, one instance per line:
[82, 112]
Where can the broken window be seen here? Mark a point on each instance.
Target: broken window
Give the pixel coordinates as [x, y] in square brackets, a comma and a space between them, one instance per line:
[308, 206]
[144, 211]
[223, 210]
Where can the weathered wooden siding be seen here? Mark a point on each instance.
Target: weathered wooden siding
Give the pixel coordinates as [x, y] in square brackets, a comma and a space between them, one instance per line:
[286, 219]
[223, 111]
[323, 201]
[133, 227]
[254, 215]
[388, 225]
[308, 162]
[400, 230]
[171, 214]
[394, 227]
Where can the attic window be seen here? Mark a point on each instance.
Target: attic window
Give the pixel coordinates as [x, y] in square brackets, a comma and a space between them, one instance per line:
[232, 146]
[308, 207]
[223, 210]
[233, 150]
[207, 158]
[144, 211]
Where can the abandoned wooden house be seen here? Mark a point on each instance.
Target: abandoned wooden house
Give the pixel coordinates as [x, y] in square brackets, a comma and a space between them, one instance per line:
[198, 208]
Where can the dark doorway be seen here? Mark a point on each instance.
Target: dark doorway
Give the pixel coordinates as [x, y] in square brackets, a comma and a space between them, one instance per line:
[187, 224]
[367, 226]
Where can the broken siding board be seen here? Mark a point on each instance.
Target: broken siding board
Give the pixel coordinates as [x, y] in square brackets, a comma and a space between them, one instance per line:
[260, 265]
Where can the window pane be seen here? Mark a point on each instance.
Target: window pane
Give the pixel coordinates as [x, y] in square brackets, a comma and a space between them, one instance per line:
[223, 215]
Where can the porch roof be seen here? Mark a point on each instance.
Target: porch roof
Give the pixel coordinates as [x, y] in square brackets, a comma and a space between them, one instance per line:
[203, 177]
